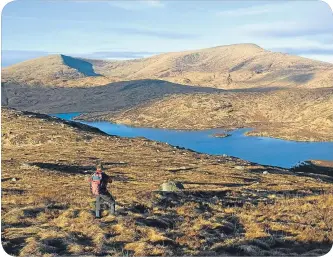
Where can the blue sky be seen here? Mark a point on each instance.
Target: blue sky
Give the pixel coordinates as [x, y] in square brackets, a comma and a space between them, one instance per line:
[132, 29]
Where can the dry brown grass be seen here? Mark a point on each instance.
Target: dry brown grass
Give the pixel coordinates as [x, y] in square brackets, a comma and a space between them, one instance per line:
[248, 65]
[48, 210]
[302, 115]
[50, 71]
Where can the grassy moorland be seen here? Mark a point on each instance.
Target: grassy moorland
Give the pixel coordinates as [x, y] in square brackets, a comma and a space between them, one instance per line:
[228, 206]
[301, 115]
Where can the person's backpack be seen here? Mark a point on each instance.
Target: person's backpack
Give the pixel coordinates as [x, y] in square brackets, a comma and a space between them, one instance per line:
[96, 183]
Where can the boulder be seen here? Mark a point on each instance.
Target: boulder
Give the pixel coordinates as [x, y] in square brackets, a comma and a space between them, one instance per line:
[171, 186]
[239, 167]
[25, 165]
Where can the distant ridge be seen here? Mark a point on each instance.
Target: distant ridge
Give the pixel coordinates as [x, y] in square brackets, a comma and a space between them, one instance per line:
[53, 70]
[226, 67]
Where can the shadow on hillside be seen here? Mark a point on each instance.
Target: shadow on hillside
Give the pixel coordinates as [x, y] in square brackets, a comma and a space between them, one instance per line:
[72, 124]
[58, 246]
[83, 169]
[64, 168]
[111, 97]
[120, 176]
[228, 197]
[305, 169]
[273, 246]
[11, 191]
[204, 198]
[309, 167]
[301, 78]
[286, 76]
[13, 246]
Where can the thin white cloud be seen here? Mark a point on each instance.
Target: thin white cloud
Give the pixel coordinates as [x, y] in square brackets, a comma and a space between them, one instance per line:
[286, 29]
[257, 10]
[153, 3]
[323, 58]
[137, 5]
[253, 10]
[305, 50]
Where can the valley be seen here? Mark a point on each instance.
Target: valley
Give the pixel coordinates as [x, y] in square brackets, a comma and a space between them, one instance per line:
[279, 95]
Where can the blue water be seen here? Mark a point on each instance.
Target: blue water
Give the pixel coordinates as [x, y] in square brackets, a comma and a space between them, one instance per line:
[261, 150]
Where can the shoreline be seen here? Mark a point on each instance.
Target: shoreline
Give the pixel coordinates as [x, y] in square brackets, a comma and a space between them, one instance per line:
[256, 131]
[208, 146]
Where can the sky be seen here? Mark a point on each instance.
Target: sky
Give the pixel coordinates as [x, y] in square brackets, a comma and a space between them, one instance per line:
[135, 29]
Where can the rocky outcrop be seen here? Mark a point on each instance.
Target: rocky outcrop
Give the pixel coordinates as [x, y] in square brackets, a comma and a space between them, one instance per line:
[172, 186]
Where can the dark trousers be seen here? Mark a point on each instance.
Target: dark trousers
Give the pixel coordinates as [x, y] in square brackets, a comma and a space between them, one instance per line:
[107, 199]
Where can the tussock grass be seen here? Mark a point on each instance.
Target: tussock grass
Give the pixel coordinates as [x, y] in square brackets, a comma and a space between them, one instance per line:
[48, 209]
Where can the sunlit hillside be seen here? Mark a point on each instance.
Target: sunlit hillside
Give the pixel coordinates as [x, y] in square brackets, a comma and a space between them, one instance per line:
[228, 207]
[231, 66]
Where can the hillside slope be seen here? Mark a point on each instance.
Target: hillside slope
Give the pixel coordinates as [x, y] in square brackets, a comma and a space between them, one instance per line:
[53, 70]
[232, 66]
[112, 97]
[247, 65]
[303, 114]
[228, 207]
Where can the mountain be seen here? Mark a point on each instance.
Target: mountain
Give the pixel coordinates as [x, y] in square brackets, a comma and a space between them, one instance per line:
[228, 207]
[231, 66]
[53, 70]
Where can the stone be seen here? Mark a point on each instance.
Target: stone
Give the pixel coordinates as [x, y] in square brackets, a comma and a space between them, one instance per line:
[239, 167]
[215, 200]
[249, 250]
[25, 165]
[172, 186]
